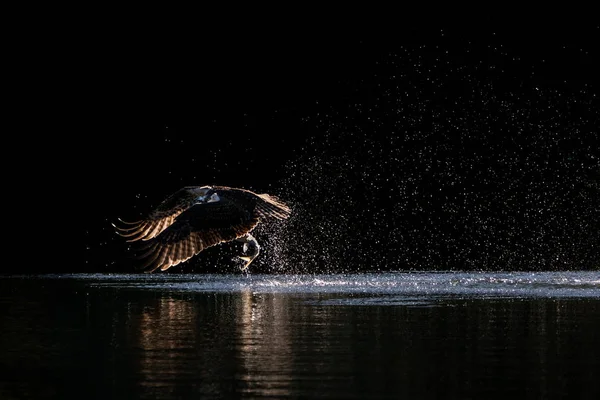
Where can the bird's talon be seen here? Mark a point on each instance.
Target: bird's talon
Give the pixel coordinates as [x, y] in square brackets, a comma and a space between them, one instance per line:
[247, 260]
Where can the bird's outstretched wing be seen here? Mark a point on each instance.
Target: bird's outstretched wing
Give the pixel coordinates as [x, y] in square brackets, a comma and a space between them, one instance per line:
[200, 227]
[159, 219]
[181, 228]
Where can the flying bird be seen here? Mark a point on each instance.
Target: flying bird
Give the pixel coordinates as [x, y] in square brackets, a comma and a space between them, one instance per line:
[197, 217]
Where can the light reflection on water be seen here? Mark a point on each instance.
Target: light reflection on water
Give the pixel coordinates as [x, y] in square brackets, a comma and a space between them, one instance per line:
[432, 286]
[450, 335]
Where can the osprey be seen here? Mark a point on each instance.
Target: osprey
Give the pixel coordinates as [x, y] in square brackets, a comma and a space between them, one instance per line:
[197, 217]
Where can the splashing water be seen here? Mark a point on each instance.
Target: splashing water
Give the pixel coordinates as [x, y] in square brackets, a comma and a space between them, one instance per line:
[379, 287]
[445, 166]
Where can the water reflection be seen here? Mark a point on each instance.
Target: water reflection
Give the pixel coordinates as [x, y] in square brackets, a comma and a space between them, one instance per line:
[164, 335]
[264, 345]
[273, 345]
[215, 344]
[246, 344]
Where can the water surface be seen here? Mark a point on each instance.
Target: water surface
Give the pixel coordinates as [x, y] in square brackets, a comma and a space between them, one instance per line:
[381, 335]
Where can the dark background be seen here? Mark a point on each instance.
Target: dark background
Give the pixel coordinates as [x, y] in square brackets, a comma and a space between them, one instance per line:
[424, 148]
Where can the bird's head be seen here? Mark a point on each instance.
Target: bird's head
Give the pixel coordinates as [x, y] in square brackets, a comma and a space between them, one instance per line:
[206, 194]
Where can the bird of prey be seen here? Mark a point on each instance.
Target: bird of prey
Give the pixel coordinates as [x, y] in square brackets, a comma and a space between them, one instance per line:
[197, 217]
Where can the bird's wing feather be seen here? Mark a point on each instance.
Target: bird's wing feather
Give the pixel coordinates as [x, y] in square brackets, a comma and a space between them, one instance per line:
[271, 206]
[263, 205]
[159, 219]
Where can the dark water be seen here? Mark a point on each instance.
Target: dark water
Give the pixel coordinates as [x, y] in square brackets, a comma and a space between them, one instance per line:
[398, 335]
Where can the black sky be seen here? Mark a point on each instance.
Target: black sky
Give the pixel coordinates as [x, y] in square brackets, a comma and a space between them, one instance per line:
[267, 112]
